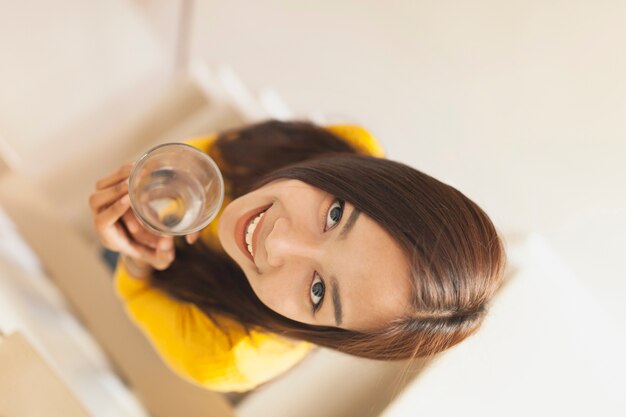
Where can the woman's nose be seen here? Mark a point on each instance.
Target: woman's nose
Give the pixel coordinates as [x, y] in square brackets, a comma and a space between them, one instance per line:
[286, 243]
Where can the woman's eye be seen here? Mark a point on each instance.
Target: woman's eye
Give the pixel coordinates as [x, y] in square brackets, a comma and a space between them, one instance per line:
[334, 214]
[317, 292]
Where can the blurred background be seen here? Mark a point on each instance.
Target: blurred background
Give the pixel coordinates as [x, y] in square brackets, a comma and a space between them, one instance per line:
[519, 104]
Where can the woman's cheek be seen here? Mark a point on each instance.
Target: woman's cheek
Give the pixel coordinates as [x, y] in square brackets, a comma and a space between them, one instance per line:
[281, 297]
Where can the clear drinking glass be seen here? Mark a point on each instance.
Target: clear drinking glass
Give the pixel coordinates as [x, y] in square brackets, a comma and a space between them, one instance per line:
[175, 189]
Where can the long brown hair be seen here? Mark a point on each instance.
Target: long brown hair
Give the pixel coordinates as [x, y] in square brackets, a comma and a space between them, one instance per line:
[456, 255]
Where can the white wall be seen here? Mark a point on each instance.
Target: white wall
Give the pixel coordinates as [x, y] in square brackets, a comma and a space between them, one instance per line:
[61, 62]
[520, 104]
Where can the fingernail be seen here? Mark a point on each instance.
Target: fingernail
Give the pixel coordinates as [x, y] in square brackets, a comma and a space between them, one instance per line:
[166, 244]
[125, 199]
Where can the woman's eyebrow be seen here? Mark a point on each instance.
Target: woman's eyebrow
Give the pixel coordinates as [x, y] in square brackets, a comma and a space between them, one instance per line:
[334, 286]
[348, 226]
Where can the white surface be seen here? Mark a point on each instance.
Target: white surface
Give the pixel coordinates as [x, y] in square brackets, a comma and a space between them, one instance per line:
[547, 349]
[330, 384]
[63, 60]
[30, 303]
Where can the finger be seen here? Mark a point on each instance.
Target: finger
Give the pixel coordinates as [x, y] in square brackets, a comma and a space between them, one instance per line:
[125, 243]
[160, 258]
[104, 198]
[119, 175]
[131, 222]
[117, 239]
[164, 253]
[192, 237]
[137, 249]
[110, 215]
[138, 231]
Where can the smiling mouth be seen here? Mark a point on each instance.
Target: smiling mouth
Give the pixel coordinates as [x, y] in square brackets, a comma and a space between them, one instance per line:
[247, 231]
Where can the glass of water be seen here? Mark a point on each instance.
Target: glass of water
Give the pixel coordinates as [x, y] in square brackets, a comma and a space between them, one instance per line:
[175, 189]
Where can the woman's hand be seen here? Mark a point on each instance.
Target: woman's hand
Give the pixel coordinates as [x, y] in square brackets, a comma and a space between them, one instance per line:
[120, 231]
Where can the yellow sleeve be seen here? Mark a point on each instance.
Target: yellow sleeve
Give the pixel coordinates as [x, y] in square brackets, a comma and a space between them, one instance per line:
[195, 348]
[203, 143]
[360, 138]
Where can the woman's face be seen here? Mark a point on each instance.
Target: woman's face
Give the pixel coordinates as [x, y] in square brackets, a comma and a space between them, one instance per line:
[314, 259]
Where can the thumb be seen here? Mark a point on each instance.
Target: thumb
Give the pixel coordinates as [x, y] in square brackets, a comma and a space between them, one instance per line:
[192, 237]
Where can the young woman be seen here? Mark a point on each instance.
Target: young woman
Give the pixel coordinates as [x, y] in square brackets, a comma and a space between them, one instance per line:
[320, 241]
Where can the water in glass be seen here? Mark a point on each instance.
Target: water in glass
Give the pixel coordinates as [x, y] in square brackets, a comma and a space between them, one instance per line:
[171, 199]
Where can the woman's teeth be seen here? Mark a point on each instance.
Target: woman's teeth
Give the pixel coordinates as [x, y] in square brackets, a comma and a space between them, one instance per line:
[250, 231]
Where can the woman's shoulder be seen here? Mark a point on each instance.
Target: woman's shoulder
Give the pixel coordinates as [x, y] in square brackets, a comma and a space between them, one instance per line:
[255, 357]
[262, 356]
[203, 143]
[216, 353]
[358, 137]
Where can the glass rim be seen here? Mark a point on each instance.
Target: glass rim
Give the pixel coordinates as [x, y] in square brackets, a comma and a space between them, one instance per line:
[204, 156]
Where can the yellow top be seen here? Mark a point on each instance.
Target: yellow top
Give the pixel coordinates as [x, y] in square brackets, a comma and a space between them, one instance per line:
[189, 341]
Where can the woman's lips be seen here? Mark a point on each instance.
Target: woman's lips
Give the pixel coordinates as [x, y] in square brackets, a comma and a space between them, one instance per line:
[240, 230]
[255, 236]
